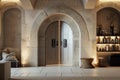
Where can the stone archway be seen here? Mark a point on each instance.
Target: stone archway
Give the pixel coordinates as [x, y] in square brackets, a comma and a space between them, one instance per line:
[108, 4]
[71, 17]
[76, 37]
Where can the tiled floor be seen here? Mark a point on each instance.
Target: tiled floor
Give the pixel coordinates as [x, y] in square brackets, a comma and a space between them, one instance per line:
[65, 73]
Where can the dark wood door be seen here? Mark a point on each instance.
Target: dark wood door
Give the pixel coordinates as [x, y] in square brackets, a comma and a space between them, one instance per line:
[58, 43]
[52, 44]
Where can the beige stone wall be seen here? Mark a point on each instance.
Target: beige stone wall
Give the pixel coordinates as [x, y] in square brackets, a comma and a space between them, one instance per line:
[73, 13]
[12, 30]
[0, 31]
[74, 10]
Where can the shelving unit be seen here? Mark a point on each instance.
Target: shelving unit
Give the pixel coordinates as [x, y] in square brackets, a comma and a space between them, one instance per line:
[108, 44]
[117, 52]
[108, 30]
[107, 34]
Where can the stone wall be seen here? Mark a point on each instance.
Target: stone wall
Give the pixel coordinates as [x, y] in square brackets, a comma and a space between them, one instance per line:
[72, 12]
[12, 30]
[70, 16]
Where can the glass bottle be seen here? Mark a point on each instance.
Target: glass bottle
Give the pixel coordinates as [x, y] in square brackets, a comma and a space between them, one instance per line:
[113, 47]
[104, 40]
[108, 39]
[107, 48]
[112, 29]
[98, 39]
[116, 39]
[117, 48]
[119, 39]
[112, 41]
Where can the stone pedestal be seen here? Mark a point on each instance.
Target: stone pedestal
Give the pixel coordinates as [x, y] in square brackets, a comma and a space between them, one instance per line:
[5, 70]
[86, 63]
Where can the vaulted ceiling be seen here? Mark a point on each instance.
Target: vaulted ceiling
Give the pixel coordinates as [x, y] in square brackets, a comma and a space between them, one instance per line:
[30, 4]
[88, 4]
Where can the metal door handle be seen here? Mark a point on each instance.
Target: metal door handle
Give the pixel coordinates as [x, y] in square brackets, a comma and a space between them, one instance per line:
[53, 41]
[65, 43]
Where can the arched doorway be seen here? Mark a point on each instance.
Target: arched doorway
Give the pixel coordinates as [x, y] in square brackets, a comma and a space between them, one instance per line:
[75, 60]
[58, 44]
[77, 25]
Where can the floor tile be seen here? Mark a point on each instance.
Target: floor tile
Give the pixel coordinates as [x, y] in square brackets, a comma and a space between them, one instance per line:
[65, 73]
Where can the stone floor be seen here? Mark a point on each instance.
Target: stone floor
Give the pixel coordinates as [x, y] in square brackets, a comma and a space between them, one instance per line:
[65, 73]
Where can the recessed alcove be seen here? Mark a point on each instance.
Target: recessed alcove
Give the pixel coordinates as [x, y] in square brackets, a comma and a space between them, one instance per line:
[80, 35]
[107, 35]
[70, 57]
[58, 44]
[11, 30]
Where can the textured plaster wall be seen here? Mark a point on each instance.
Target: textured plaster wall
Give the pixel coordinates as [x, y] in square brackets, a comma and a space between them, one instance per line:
[75, 10]
[0, 34]
[12, 29]
[73, 13]
[33, 2]
[0, 30]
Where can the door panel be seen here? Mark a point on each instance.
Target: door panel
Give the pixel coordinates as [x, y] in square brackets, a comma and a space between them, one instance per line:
[59, 52]
[67, 44]
[51, 44]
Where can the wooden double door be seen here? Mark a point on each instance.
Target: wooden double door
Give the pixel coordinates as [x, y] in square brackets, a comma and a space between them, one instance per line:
[57, 44]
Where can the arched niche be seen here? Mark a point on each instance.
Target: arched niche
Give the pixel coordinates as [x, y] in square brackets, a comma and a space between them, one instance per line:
[108, 27]
[11, 26]
[107, 17]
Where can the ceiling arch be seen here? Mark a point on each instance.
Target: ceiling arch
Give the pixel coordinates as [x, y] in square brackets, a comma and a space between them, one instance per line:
[89, 4]
[28, 4]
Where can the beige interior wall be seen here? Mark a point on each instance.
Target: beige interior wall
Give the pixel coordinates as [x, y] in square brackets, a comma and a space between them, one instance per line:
[34, 18]
[33, 2]
[0, 34]
[84, 19]
[108, 17]
[12, 30]
[42, 30]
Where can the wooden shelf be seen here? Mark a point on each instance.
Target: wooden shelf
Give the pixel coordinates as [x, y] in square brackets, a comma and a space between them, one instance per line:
[108, 43]
[109, 52]
[109, 35]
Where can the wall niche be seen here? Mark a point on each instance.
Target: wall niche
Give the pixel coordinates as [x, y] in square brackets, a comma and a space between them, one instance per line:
[108, 18]
[107, 35]
[12, 30]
